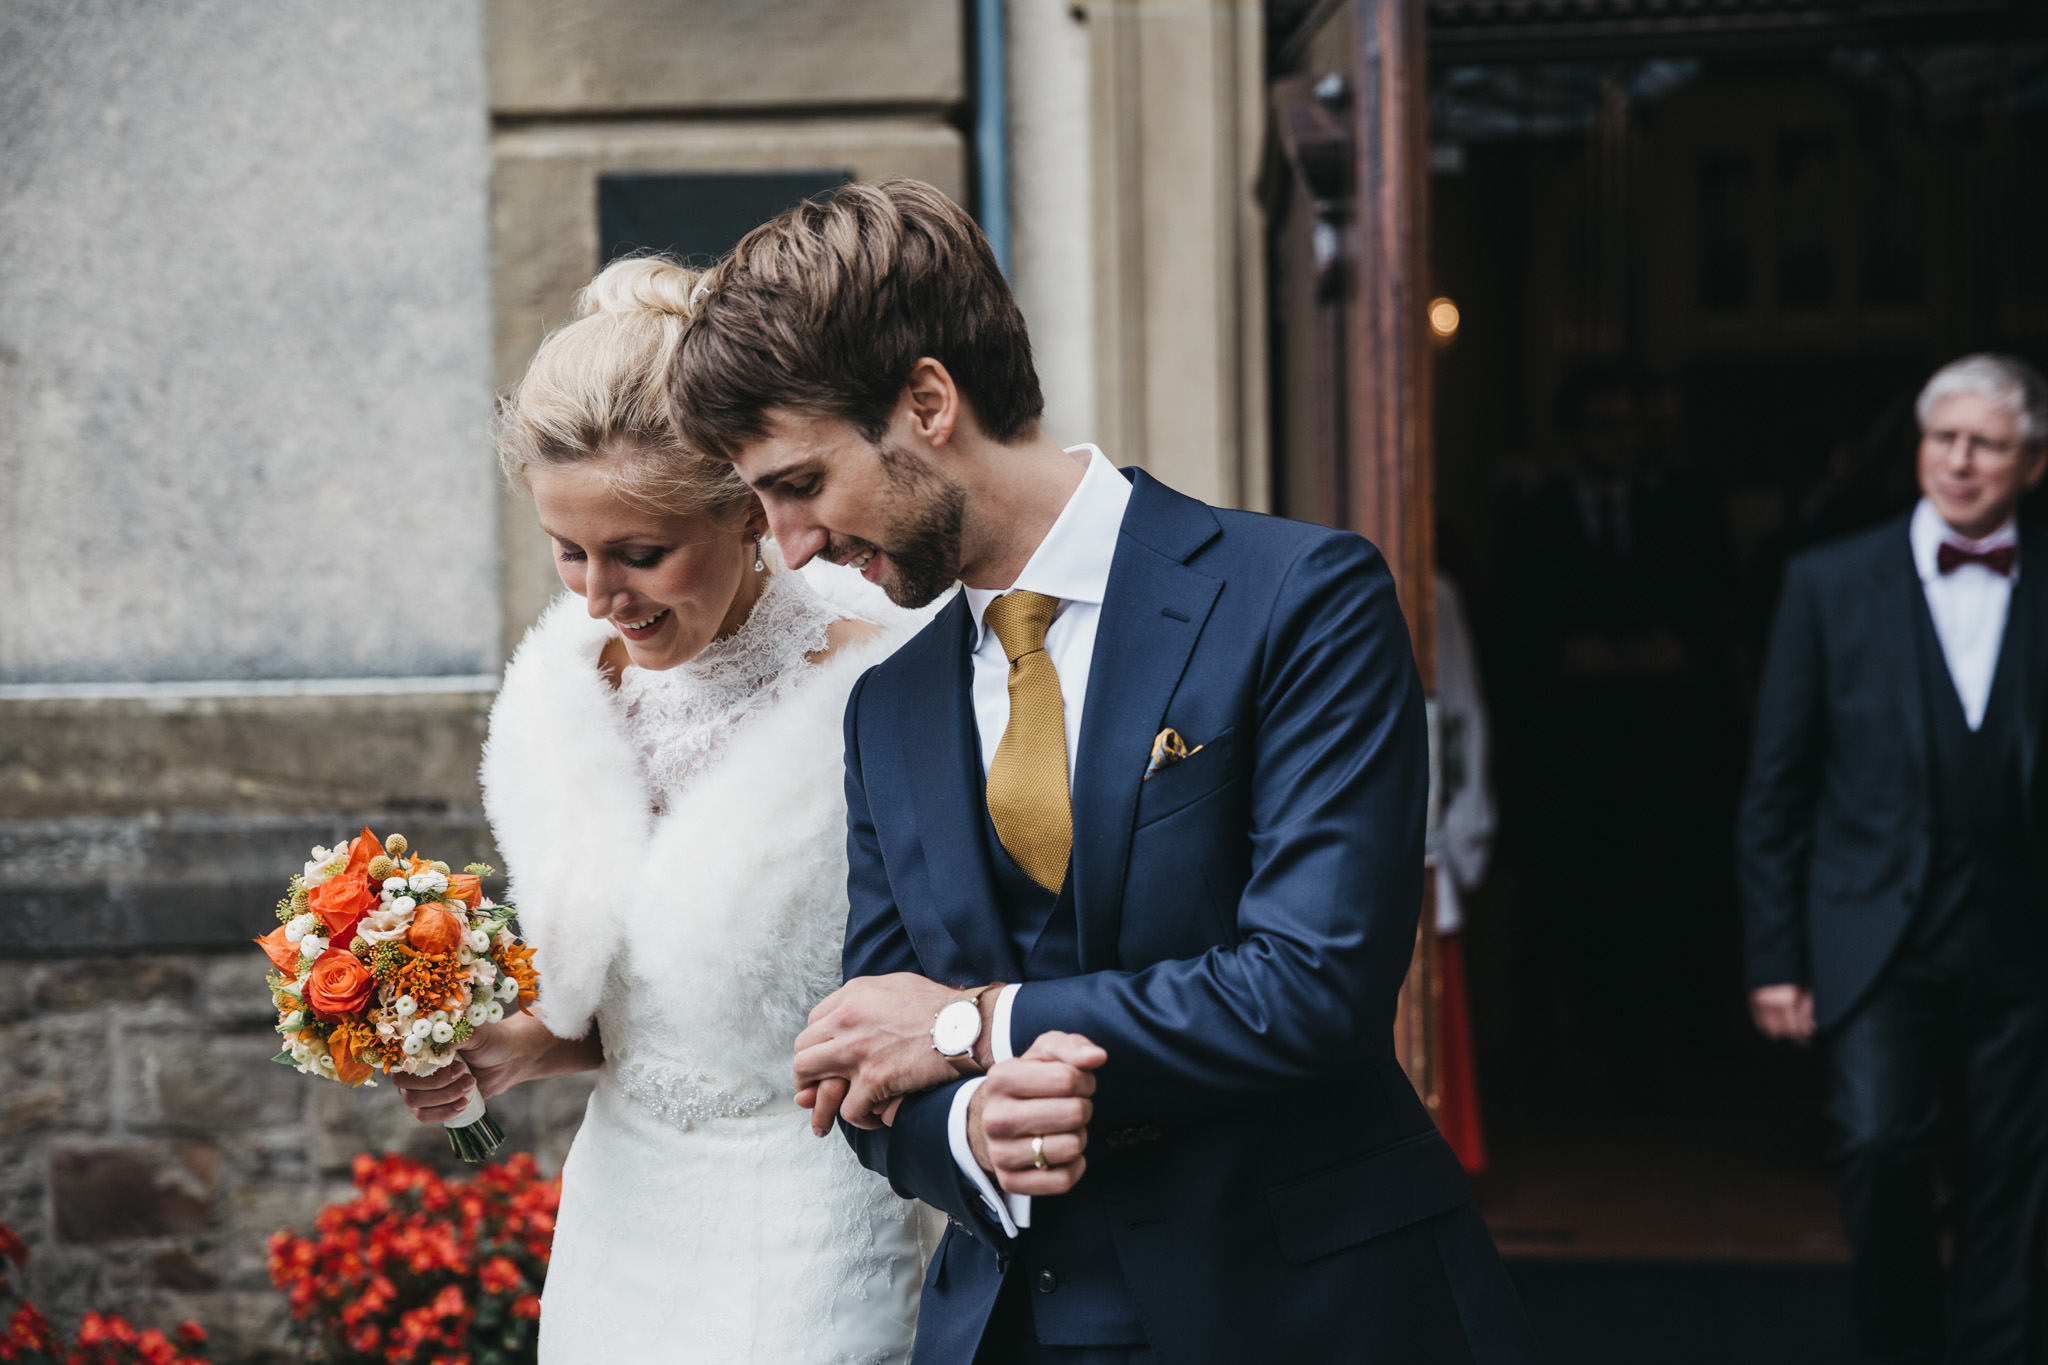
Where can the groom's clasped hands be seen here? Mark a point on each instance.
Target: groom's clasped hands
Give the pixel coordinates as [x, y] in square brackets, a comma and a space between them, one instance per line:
[869, 1044]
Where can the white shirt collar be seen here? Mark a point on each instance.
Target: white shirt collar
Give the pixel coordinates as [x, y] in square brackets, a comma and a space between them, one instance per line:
[1072, 562]
[1927, 532]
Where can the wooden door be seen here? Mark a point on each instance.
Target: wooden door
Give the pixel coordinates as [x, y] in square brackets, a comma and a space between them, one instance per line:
[1347, 189]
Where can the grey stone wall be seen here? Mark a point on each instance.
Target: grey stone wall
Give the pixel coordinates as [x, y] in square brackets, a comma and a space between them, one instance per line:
[245, 386]
[149, 1146]
[244, 341]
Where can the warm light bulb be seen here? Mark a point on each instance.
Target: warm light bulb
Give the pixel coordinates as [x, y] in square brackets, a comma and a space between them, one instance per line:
[1443, 318]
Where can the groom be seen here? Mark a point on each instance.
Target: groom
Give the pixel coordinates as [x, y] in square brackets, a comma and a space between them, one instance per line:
[1135, 829]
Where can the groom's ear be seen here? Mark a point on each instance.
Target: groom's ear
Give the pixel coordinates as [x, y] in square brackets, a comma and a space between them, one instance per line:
[930, 407]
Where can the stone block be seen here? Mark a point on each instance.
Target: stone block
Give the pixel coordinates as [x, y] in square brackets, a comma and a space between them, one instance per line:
[368, 1119]
[54, 1075]
[677, 55]
[181, 1079]
[103, 884]
[17, 994]
[288, 423]
[117, 1191]
[545, 236]
[177, 1268]
[248, 1212]
[81, 985]
[232, 989]
[267, 755]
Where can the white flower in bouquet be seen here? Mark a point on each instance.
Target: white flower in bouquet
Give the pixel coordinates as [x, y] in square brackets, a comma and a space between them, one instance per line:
[325, 863]
[381, 926]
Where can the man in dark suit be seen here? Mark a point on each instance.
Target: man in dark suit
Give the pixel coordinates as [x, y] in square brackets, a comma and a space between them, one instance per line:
[1135, 829]
[1891, 865]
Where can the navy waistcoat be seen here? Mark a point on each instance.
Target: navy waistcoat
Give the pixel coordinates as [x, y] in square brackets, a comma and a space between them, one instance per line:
[1067, 1260]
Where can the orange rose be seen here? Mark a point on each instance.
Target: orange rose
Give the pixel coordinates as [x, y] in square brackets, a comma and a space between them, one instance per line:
[435, 930]
[467, 889]
[340, 902]
[283, 955]
[339, 985]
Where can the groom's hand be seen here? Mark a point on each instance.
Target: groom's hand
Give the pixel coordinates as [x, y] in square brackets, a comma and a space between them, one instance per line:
[1042, 1094]
[869, 1043]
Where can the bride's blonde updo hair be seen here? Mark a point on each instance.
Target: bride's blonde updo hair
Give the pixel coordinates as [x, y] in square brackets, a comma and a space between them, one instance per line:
[597, 390]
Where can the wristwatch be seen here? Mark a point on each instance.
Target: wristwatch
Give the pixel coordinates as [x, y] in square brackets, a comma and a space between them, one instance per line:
[955, 1030]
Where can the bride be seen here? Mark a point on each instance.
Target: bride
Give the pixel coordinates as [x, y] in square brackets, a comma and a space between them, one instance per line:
[664, 778]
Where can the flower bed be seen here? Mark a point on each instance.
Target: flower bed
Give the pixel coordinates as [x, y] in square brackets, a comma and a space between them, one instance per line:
[416, 1268]
[102, 1338]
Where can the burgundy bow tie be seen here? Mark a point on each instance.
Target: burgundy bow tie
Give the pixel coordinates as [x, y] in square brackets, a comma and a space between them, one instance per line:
[1951, 557]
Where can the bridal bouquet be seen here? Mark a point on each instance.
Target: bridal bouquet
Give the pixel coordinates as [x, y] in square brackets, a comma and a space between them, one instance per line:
[387, 961]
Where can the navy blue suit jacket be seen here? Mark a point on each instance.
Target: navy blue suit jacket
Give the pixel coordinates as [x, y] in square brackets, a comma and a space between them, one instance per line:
[1837, 822]
[1276, 1190]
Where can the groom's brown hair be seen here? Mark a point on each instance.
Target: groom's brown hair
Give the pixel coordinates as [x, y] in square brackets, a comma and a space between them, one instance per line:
[825, 309]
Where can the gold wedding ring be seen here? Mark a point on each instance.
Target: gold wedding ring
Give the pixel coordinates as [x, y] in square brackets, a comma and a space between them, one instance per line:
[1038, 1153]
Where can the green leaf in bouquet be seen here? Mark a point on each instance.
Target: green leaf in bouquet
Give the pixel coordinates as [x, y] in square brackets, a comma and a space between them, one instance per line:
[286, 1058]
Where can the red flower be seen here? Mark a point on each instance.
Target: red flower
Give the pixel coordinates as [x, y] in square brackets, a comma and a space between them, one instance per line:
[499, 1275]
[413, 1267]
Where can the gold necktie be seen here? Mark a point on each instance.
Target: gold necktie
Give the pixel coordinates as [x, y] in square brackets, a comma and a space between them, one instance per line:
[1028, 796]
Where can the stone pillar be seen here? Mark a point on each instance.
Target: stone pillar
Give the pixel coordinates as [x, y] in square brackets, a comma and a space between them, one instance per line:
[661, 87]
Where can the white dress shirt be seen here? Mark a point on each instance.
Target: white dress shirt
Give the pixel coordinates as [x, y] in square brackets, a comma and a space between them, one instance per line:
[1968, 605]
[1071, 564]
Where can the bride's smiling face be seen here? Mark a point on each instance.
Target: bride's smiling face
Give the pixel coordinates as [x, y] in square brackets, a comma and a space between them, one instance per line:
[671, 583]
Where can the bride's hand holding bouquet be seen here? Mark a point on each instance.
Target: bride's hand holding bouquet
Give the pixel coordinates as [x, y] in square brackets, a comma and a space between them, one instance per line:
[388, 961]
[497, 1057]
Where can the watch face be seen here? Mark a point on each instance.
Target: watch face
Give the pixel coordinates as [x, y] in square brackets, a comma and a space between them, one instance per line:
[956, 1028]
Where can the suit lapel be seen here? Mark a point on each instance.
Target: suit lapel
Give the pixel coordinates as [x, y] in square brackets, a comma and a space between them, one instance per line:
[935, 727]
[1152, 614]
[1902, 601]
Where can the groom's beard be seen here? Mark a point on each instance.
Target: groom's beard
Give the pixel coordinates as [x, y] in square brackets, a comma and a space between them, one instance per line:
[925, 545]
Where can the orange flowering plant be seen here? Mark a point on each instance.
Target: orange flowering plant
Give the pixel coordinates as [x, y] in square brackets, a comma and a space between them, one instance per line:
[417, 1270]
[26, 1337]
[387, 961]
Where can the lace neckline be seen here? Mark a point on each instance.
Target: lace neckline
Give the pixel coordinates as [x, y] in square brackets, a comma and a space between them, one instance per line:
[681, 718]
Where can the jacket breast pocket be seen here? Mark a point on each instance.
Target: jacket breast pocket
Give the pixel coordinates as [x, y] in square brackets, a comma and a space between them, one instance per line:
[1368, 1197]
[1179, 785]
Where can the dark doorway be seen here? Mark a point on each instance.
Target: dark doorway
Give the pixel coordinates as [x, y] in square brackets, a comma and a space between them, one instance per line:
[1696, 291]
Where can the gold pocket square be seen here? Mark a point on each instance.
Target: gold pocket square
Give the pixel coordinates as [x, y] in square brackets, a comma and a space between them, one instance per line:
[1168, 749]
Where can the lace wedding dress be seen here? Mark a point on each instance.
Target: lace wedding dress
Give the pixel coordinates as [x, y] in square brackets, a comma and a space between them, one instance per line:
[700, 1219]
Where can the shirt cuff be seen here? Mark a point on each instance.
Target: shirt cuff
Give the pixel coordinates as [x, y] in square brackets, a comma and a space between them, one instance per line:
[1013, 1211]
[999, 1046]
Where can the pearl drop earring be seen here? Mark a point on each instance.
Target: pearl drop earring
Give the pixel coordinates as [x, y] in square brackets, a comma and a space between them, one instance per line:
[759, 563]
